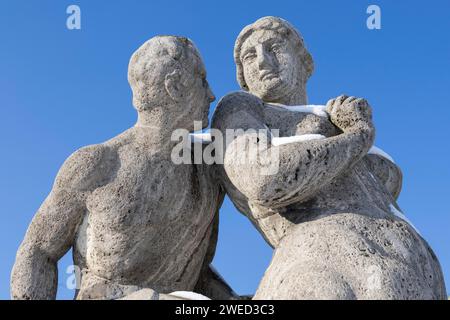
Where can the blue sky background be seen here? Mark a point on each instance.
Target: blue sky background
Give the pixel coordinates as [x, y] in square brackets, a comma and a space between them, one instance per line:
[62, 89]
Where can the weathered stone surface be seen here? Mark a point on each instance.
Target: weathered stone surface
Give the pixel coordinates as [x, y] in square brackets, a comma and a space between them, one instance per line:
[136, 222]
[352, 256]
[328, 209]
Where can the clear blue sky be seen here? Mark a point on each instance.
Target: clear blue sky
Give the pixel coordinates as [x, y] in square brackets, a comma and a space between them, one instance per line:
[61, 90]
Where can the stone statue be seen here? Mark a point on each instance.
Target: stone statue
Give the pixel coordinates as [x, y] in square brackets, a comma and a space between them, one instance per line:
[330, 209]
[140, 227]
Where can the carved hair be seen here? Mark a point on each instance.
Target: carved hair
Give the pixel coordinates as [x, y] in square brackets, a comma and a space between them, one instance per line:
[283, 28]
[152, 61]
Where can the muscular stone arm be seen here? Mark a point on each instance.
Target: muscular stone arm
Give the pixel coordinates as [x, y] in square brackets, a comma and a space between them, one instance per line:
[387, 172]
[53, 228]
[302, 168]
[210, 283]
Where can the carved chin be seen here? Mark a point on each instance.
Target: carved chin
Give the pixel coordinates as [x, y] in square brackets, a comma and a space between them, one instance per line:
[271, 88]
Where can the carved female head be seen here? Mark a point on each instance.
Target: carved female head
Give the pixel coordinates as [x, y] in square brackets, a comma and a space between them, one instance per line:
[272, 60]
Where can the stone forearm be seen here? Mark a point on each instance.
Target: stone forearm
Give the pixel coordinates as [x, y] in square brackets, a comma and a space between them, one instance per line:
[49, 236]
[387, 172]
[303, 167]
[212, 285]
[34, 276]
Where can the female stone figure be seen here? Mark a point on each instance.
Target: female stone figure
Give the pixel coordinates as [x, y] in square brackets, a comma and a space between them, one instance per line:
[329, 208]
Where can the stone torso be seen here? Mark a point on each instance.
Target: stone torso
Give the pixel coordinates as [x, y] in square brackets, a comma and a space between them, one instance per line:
[291, 123]
[357, 191]
[150, 225]
[330, 245]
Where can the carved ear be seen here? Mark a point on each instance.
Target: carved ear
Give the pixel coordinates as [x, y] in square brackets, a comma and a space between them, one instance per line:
[173, 85]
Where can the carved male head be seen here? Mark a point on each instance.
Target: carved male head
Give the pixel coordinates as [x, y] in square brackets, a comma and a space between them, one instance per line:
[167, 72]
[272, 60]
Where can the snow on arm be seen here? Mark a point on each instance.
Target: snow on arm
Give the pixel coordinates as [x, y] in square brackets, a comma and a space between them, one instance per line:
[319, 110]
[278, 141]
[188, 295]
[400, 215]
[377, 151]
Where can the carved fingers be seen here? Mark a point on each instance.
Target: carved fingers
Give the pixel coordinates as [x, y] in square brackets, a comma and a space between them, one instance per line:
[350, 113]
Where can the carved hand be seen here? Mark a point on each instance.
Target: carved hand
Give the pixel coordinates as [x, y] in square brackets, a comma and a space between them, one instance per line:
[350, 113]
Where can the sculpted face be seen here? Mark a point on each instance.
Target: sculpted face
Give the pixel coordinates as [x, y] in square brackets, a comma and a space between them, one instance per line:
[272, 68]
[167, 73]
[198, 95]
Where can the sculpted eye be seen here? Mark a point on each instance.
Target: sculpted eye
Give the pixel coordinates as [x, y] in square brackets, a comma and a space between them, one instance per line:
[276, 47]
[249, 56]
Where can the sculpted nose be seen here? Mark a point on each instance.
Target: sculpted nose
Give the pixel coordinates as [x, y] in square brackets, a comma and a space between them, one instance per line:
[263, 59]
[210, 94]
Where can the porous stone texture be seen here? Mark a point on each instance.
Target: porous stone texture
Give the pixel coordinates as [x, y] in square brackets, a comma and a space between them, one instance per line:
[139, 225]
[327, 210]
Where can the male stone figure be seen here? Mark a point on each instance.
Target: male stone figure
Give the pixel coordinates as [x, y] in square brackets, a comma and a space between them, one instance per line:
[139, 226]
[328, 210]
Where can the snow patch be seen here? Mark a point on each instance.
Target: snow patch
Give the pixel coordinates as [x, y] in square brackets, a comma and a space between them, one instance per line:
[400, 215]
[278, 141]
[318, 110]
[188, 295]
[200, 137]
[381, 153]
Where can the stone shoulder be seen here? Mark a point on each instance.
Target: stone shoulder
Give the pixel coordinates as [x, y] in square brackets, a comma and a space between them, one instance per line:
[86, 169]
[238, 110]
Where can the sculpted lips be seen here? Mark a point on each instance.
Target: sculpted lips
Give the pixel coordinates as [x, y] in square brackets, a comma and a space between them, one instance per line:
[267, 75]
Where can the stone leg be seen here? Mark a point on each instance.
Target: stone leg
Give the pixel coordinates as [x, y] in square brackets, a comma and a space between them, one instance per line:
[351, 256]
